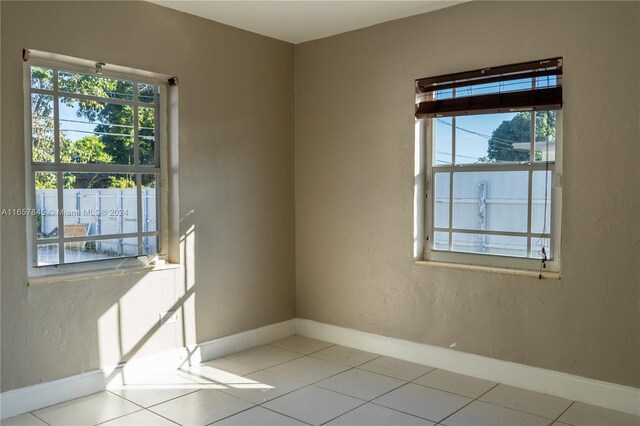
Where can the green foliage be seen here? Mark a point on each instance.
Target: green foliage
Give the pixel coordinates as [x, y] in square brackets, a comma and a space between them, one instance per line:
[114, 125]
[121, 182]
[518, 129]
[89, 149]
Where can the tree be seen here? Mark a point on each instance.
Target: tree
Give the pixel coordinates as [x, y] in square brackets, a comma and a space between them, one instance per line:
[113, 141]
[518, 129]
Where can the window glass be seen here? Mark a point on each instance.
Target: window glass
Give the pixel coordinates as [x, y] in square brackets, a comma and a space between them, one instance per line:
[94, 140]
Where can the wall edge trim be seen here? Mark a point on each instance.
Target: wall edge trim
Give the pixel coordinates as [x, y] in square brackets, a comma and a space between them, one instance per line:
[605, 394]
[41, 395]
[591, 391]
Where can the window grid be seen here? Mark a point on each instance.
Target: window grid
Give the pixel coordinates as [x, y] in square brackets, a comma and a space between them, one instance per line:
[454, 168]
[59, 168]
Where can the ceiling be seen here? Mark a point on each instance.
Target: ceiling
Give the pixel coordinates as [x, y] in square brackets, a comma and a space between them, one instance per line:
[297, 21]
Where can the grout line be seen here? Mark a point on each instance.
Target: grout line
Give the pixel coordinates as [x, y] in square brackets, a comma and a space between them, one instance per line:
[34, 415]
[209, 382]
[264, 368]
[160, 415]
[312, 352]
[231, 415]
[282, 414]
[167, 400]
[567, 409]
[428, 372]
[340, 415]
[404, 382]
[254, 405]
[489, 390]
[397, 378]
[470, 402]
[312, 385]
[122, 397]
[517, 410]
[396, 409]
[453, 393]
[118, 417]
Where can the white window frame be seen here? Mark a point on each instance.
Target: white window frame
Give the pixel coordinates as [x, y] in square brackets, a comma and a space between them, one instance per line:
[166, 209]
[425, 153]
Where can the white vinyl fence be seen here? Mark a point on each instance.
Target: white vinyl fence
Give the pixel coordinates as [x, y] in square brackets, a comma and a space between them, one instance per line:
[103, 212]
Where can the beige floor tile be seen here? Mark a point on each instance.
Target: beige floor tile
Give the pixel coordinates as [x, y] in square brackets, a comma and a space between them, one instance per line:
[360, 384]
[308, 370]
[259, 416]
[530, 402]
[220, 370]
[201, 408]
[344, 355]
[397, 368]
[375, 415]
[148, 397]
[483, 414]
[263, 356]
[455, 383]
[300, 344]
[168, 379]
[89, 410]
[26, 419]
[262, 386]
[559, 424]
[580, 414]
[140, 418]
[313, 405]
[422, 401]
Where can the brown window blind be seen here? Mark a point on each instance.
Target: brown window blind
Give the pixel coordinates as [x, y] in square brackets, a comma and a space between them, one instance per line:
[527, 86]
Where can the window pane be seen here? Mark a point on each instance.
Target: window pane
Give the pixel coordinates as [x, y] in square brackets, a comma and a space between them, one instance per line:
[541, 202]
[493, 138]
[545, 136]
[146, 135]
[495, 87]
[536, 247]
[546, 81]
[47, 254]
[95, 132]
[490, 244]
[443, 135]
[149, 245]
[441, 200]
[46, 220]
[99, 204]
[443, 94]
[149, 213]
[84, 251]
[495, 201]
[41, 78]
[441, 240]
[146, 93]
[42, 129]
[93, 85]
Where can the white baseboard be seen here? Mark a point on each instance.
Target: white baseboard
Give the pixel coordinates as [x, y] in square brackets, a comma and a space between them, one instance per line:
[604, 394]
[241, 341]
[30, 398]
[23, 400]
[596, 392]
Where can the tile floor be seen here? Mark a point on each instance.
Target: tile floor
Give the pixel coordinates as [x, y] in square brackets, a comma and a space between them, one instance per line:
[297, 381]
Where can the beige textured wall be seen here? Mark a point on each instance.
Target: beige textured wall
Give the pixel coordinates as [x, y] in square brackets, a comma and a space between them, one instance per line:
[236, 191]
[354, 187]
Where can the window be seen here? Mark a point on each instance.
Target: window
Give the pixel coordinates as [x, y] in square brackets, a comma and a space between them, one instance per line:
[93, 163]
[492, 144]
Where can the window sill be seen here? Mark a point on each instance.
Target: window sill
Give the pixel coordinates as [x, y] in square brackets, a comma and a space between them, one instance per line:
[103, 273]
[491, 269]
